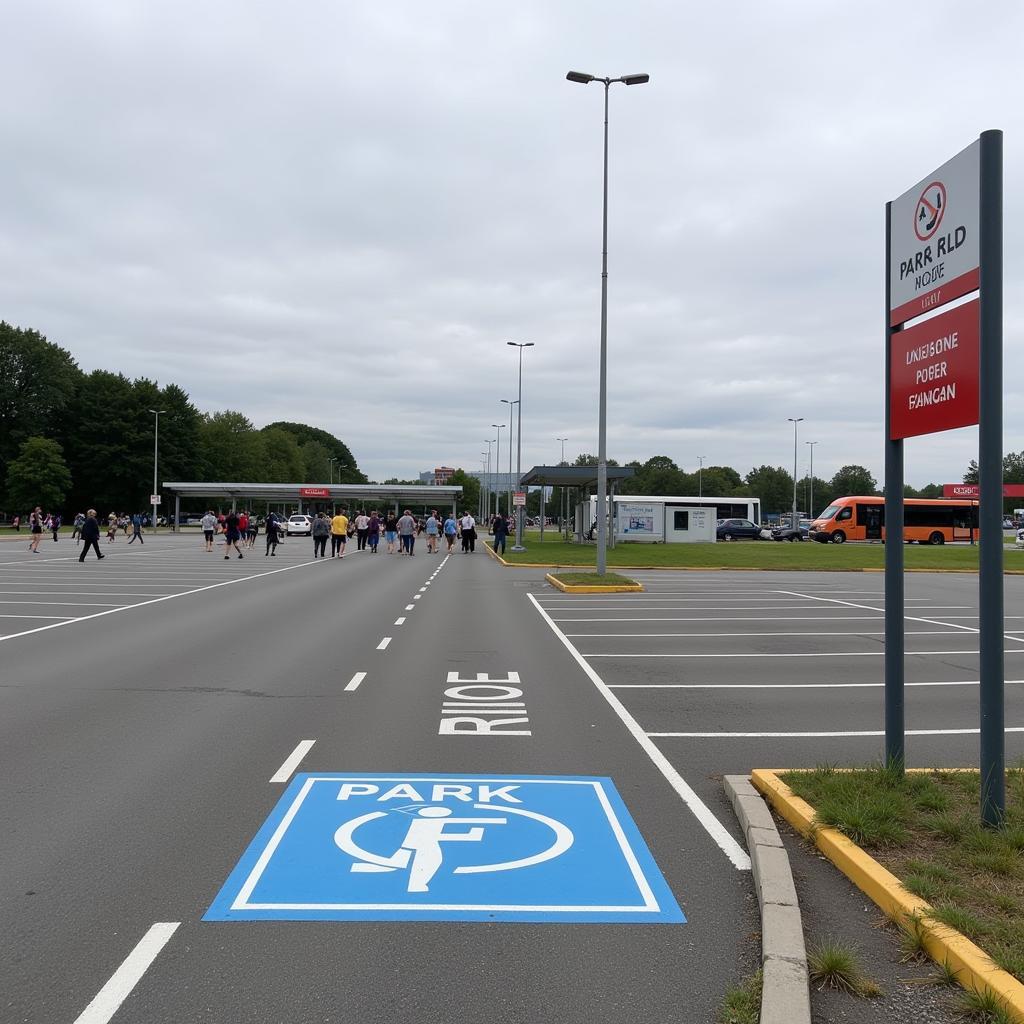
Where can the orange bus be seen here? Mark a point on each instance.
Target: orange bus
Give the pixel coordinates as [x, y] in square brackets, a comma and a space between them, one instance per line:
[925, 520]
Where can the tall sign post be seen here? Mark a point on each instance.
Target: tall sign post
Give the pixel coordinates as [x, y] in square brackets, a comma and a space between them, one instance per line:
[943, 240]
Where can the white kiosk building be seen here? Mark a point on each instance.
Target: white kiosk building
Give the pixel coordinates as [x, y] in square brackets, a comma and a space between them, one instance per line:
[656, 519]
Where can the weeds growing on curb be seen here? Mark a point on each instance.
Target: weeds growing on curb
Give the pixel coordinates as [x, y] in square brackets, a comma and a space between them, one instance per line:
[834, 964]
[593, 579]
[742, 1003]
[925, 828]
[985, 1007]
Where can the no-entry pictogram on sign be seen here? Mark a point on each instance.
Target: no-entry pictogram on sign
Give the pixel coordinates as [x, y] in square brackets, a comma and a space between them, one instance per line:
[930, 208]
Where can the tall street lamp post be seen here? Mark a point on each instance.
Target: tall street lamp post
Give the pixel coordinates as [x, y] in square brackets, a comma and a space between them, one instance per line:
[484, 457]
[810, 503]
[330, 467]
[700, 475]
[497, 466]
[602, 448]
[518, 546]
[487, 482]
[156, 436]
[799, 419]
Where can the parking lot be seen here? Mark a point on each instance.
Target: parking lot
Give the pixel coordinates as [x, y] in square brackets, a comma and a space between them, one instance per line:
[729, 671]
[44, 591]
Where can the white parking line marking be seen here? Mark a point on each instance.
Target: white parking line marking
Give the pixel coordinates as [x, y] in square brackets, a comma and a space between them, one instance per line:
[353, 683]
[829, 632]
[409, 607]
[11, 615]
[793, 686]
[700, 810]
[814, 654]
[911, 618]
[423, 590]
[127, 976]
[382, 646]
[416, 597]
[815, 735]
[292, 761]
[400, 620]
[155, 600]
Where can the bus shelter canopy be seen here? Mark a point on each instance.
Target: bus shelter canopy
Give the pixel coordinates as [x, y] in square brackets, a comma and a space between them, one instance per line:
[571, 476]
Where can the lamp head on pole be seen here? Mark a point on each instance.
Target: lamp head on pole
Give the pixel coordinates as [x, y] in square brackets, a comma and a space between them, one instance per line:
[635, 79]
[580, 77]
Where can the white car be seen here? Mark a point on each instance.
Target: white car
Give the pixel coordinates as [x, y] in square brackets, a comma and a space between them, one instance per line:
[298, 524]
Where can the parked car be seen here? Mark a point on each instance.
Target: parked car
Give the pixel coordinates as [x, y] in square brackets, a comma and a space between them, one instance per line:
[734, 529]
[299, 524]
[788, 533]
[1007, 523]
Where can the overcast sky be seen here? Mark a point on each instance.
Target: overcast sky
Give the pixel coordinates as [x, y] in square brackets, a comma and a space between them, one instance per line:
[339, 212]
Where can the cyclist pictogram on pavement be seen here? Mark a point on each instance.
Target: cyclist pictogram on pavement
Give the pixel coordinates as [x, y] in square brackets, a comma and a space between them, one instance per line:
[439, 847]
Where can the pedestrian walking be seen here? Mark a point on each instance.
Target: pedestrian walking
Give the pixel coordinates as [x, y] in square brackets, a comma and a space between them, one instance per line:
[35, 528]
[362, 528]
[407, 532]
[55, 525]
[90, 535]
[136, 529]
[468, 525]
[339, 534]
[76, 529]
[243, 527]
[373, 532]
[432, 528]
[273, 536]
[321, 530]
[209, 524]
[254, 530]
[500, 530]
[451, 529]
[231, 535]
[391, 531]
[16, 523]
[111, 527]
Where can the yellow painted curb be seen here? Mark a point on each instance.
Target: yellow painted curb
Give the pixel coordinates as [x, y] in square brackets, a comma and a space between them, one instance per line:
[973, 967]
[579, 588]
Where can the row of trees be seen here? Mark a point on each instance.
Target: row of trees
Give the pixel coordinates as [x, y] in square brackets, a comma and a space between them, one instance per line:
[70, 439]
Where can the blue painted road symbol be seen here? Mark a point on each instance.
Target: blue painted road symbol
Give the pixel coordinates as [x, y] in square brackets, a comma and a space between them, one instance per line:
[447, 848]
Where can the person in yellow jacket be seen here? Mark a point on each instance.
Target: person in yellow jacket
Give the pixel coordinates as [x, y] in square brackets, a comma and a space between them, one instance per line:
[339, 534]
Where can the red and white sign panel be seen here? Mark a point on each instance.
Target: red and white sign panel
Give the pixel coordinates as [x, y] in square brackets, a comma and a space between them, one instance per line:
[934, 253]
[934, 374]
[519, 498]
[974, 491]
[314, 492]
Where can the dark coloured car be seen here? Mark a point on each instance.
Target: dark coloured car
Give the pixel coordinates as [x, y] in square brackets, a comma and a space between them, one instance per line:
[735, 529]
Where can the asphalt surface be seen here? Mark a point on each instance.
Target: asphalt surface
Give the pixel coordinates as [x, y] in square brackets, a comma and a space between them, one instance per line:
[153, 709]
[143, 719]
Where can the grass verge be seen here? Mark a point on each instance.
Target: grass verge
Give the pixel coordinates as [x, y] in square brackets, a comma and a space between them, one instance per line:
[751, 555]
[742, 1003]
[924, 827]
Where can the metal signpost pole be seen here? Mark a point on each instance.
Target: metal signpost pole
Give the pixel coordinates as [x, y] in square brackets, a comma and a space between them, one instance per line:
[511, 413]
[518, 546]
[895, 753]
[562, 496]
[156, 436]
[700, 476]
[990, 463]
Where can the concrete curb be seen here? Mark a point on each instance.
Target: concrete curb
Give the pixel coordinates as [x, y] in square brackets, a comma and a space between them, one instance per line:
[785, 998]
[973, 967]
[597, 588]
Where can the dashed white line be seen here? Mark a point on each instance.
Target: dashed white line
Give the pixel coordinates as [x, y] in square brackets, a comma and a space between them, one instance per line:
[383, 645]
[416, 597]
[409, 607]
[400, 620]
[292, 761]
[127, 976]
[700, 810]
[353, 683]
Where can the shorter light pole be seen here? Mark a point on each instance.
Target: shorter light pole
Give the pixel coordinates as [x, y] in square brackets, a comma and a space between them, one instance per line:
[700, 476]
[330, 467]
[156, 437]
[810, 503]
[561, 507]
[487, 492]
[798, 419]
[511, 403]
[480, 504]
[497, 467]
[518, 546]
